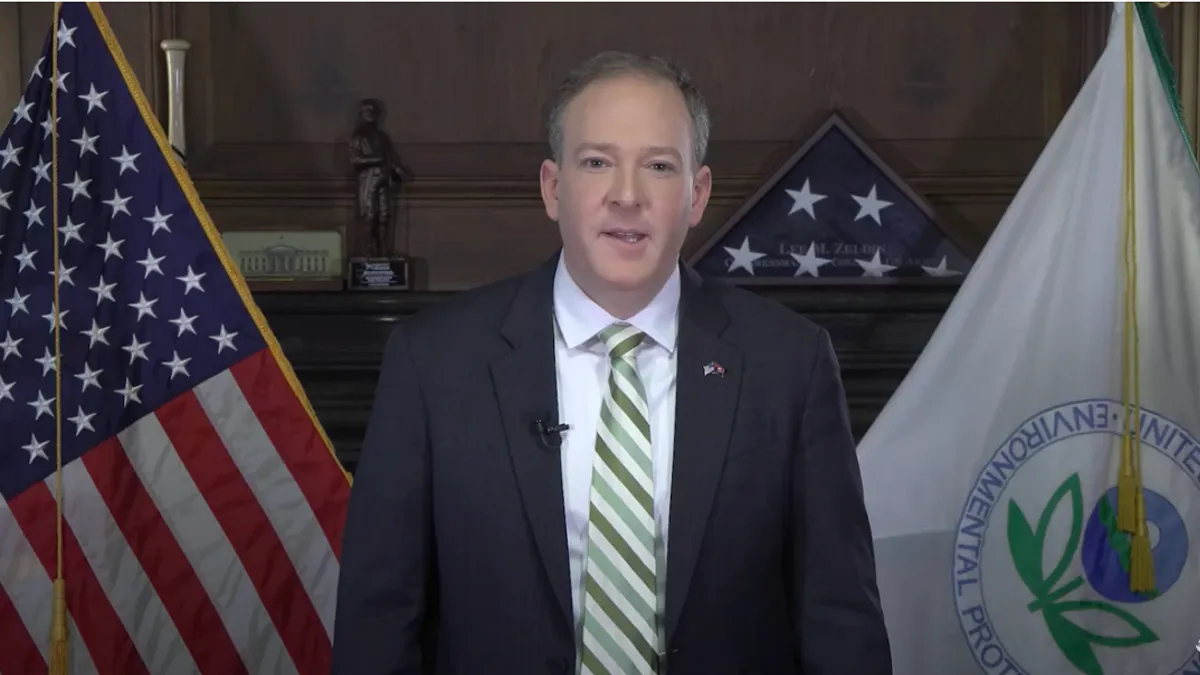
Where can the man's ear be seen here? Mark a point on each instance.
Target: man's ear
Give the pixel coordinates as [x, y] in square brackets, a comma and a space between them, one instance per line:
[701, 191]
[549, 181]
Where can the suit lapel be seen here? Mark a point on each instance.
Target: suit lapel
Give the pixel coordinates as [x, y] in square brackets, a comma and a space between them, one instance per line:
[704, 409]
[526, 390]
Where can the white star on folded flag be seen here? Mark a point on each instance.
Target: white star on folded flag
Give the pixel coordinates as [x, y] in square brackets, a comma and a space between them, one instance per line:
[743, 257]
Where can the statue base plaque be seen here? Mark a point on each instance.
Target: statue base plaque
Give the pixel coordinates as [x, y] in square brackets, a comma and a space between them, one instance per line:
[379, 274]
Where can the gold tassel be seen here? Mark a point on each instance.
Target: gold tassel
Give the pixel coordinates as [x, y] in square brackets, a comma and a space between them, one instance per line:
[1141, 563]
[1127, 491]
[58, 630]
[1141, 559]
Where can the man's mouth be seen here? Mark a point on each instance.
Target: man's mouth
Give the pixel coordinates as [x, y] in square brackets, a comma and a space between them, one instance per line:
[627, 236]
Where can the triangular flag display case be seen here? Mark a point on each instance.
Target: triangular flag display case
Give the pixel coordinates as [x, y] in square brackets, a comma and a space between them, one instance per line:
[834, 212]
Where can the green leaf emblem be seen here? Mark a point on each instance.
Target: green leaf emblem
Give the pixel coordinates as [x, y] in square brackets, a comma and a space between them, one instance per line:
[1027, 545]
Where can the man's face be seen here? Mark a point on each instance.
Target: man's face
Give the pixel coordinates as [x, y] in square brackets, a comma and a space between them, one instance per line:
[627, 190]
[369, 112]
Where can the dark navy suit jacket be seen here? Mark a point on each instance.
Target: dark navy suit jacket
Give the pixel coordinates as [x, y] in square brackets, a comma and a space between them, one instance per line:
[455, 552]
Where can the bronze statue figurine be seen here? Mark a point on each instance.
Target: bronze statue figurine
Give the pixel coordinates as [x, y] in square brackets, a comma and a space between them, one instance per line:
[380, 176]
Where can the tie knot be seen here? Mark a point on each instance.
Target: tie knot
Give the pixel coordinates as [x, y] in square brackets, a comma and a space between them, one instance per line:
[620, 339]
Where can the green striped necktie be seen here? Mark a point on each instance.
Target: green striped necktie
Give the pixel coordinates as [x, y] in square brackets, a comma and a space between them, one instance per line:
[619, 618]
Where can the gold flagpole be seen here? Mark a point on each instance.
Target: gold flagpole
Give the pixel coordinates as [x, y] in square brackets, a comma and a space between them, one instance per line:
[58, 622]
[1131, 505]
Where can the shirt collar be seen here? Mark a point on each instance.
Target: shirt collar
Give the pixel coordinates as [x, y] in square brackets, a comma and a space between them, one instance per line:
[580, 318]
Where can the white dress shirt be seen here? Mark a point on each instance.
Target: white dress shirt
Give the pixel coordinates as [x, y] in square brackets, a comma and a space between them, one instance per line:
[583, 365]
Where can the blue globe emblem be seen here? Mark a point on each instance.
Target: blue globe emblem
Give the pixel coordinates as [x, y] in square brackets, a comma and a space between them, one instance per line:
[1040, 574]
[1105, 551]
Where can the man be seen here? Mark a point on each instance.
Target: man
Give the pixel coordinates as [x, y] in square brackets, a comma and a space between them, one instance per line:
[610, 465]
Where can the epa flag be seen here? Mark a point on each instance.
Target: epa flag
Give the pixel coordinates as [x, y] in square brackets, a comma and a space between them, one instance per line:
[199, 501]
[1027, 518]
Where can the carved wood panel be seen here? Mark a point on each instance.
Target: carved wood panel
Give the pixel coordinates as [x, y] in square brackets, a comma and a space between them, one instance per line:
[466, 99]
[958, 98]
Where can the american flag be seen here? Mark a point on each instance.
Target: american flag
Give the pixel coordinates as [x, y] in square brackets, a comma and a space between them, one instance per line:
[833, 212]
[202, 504]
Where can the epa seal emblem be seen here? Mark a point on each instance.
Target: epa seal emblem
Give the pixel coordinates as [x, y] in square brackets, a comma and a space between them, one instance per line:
[1040, 571]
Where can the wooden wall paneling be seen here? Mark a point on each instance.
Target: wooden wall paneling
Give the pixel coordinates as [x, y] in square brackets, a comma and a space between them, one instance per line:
[34, 21]
[915, 73]
[1188, 45]
[963, 117]
[12, 77]
[163, 24]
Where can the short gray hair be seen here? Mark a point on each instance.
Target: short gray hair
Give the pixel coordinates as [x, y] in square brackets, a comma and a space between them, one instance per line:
[614, 64]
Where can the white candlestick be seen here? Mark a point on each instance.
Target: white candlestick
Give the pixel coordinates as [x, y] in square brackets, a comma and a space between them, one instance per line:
[176, 57]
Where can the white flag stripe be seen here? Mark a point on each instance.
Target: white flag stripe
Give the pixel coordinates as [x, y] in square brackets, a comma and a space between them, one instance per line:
[120, 575]
[212, 556]
[78, 656]
[274, 487]
[25, 580]
[27, 585]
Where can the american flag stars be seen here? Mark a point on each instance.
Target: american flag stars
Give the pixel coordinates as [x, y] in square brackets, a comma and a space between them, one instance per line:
[191, 462]
[139, 316]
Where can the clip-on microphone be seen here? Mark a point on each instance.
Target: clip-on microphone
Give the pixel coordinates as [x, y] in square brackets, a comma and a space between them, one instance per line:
[551, 433]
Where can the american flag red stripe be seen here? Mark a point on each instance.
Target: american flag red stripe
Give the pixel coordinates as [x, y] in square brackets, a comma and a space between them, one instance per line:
[180, 441]
[249, 531]
[301, 448]
[24, 586]
[106, 638]
[164, 562]
[199, 530]
[119, 574]
[20, 653]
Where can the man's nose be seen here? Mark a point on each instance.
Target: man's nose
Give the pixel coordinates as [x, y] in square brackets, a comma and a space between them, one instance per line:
[627, 191]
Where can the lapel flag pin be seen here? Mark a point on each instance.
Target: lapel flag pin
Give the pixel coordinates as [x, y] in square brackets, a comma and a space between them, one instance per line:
[714, 368]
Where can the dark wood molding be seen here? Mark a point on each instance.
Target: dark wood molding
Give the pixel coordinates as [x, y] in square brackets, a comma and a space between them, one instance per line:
[221, 161]
[266, 191]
